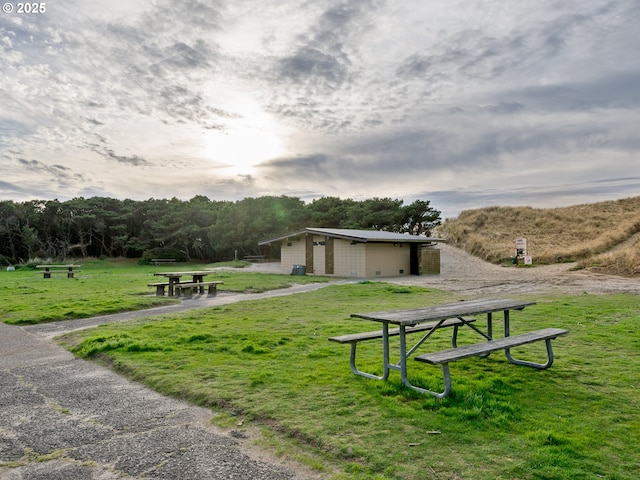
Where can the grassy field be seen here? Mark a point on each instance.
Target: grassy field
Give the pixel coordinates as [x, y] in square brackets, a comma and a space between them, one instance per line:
[601, 235]
[109, 286]
[267, 364]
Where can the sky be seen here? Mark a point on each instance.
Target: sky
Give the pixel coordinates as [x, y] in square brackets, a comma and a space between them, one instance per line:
[465, 103]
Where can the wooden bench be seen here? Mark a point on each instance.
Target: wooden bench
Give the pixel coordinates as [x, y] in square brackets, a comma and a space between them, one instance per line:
[186, 289]
[355, 338]
[255, 258]
[159, 288]
[163, 261]
[444, 357]
[49, 269]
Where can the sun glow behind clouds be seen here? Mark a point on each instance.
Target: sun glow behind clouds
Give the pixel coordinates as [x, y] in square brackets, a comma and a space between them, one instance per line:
[249, 138]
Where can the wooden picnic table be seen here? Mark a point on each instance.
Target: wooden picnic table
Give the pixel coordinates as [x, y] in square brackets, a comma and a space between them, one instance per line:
[174, 279]
[49, 269]
[427, 320]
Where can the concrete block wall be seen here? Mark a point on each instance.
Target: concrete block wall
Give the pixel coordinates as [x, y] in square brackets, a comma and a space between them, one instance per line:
[358, 260]
[349, 260]
[291, 253]
[387, 260]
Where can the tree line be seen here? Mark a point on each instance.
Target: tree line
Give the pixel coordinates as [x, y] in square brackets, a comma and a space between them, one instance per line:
[197, 229]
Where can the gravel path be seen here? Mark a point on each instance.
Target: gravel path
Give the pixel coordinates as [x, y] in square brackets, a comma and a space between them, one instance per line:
[465, 274]
[65, 418]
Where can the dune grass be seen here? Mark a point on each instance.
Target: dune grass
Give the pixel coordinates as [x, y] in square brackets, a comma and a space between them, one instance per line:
[268, 364]
[109, 286]
[624, 261]
[554, 235]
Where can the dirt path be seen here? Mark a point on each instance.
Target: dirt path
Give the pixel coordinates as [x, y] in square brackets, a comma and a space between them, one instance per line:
[464, 273]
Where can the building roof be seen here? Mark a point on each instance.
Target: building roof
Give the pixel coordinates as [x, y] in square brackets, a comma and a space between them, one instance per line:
[354, 235]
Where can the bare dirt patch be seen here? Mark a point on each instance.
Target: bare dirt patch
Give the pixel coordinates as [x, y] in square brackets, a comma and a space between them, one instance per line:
[464, 273]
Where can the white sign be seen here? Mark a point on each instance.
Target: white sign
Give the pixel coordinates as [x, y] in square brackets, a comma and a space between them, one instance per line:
[521, 247]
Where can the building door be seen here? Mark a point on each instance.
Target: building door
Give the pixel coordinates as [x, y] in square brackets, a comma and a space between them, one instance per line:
[414, 259]
[328, 256]
[309, 253]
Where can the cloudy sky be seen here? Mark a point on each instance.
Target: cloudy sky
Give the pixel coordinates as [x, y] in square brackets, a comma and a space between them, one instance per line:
[466, 103]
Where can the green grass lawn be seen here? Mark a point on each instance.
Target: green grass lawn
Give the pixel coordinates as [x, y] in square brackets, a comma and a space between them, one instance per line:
[109, 286]
[267, 363]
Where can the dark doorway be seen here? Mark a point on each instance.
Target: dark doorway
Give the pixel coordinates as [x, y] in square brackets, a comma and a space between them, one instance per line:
[414, 260]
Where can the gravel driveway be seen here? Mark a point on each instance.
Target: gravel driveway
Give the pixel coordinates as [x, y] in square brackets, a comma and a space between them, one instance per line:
[65, 418]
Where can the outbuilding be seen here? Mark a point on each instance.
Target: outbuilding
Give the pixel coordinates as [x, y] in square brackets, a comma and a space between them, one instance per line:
[357, 253]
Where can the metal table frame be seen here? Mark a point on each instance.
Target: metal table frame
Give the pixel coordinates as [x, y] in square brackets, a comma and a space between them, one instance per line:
[439, 313]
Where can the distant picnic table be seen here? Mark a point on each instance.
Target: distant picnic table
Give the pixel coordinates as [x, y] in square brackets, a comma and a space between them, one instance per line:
[52, 269]
[177, 288]
[163, 261]
[255, 258]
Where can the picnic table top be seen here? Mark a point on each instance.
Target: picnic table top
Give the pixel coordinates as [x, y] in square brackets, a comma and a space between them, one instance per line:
[413, 316]
[59, 266]
[180, 274]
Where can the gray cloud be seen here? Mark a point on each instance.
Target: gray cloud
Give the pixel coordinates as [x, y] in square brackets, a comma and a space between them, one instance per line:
[317, 167]
[132, 160]
[322, 61]
[504, 108]
[354, 97]
[618, 90]
[310, 64]
[59, 171]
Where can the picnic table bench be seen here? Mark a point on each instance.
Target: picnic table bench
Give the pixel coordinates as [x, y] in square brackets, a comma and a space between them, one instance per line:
[160, 287]
[255, 258]
[435, 317]
[443, 357]
[163, 261]
[355, 338]
[186, 289]
[52, 269]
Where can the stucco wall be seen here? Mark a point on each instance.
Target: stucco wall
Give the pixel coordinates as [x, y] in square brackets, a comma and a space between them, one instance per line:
[360, 260]
[291, 255]
[387, 259]
[349, 260]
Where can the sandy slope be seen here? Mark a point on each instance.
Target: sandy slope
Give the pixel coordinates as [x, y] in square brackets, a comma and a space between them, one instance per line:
[464, 273]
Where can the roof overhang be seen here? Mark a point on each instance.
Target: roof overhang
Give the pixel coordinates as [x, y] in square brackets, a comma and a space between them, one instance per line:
[359, 236]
